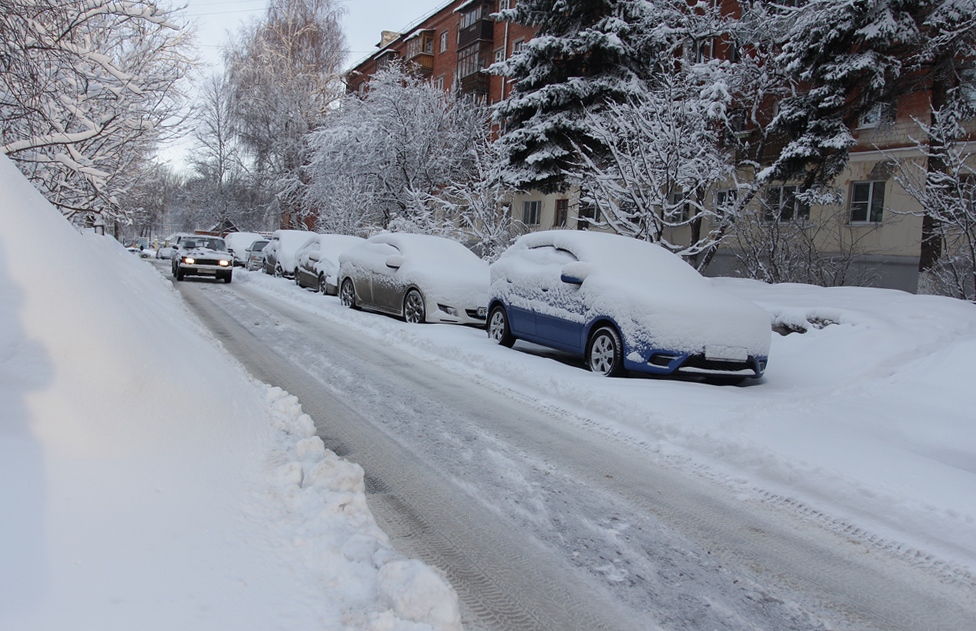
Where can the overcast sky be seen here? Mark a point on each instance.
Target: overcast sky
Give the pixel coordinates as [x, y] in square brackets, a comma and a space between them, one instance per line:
[362, 23]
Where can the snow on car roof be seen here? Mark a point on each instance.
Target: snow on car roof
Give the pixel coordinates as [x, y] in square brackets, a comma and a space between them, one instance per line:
[612, 251]
[425, 246]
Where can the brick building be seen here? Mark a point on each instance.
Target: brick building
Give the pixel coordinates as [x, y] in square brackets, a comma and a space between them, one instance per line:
[877, 219]
[452, 47]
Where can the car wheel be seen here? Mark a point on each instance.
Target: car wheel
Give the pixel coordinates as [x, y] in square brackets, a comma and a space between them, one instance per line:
[413, 307]
[227, 278]
[278, 272]
[323, 285]
[605, 353]
[498, 328]
[297, 280]
[347, 294]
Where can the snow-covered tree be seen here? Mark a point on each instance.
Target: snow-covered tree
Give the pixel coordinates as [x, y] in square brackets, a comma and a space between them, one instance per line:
[587, 53]
[380, 159]
[851, 56]
[947, 195]
[86, 89]
[661, 167]
[283, 72]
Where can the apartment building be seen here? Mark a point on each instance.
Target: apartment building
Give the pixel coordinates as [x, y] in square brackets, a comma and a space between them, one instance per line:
[452, 46]
[877, 224]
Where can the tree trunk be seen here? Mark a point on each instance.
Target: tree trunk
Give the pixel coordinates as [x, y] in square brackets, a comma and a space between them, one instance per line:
[931, 246]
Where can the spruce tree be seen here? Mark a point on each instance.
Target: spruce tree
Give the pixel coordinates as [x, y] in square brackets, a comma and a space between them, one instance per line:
[586, 53]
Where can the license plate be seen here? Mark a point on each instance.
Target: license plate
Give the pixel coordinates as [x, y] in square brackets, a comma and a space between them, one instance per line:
[726, 353]
[482, 312]
[205, 272]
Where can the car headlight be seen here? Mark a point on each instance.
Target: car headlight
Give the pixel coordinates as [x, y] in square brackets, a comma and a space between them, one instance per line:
[223, 263]
[189, 260]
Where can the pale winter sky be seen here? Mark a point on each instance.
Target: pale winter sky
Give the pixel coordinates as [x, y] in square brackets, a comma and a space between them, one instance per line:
[362, 23]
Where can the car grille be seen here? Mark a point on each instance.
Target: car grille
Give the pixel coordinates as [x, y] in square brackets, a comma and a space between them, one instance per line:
[699, 362]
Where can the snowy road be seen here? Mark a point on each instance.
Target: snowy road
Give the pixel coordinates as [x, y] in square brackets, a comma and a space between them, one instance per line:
[541, 522]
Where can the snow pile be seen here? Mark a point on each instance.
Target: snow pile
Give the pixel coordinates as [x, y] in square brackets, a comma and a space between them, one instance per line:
[147, 482]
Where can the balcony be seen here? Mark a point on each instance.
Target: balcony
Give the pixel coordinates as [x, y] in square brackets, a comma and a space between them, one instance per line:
[423, 63]
[476, 83]
[482, 30]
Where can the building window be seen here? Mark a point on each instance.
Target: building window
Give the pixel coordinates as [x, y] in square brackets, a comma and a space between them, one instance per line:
[867, 202]
[517, 46]
[470, 17]
[562, 213]
[531, 213]
[879, 114]
[678, 209]
[724, 200]
[499, 55]
[444, 41]
[439, 82]
[781, 204]
[470, 61]
[503, 5]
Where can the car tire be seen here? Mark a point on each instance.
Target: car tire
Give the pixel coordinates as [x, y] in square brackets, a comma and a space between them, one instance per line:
[278, 272]
[227, 278]
[498, 329]
[297, 279]
[605, 352]
[347, 294]
[323, 285]
[178, 274]
[414, 310]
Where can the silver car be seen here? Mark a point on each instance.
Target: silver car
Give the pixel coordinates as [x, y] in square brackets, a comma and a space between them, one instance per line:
[421, 278]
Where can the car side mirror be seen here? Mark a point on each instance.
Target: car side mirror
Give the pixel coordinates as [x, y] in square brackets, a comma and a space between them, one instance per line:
[394, 261]
[575, 273]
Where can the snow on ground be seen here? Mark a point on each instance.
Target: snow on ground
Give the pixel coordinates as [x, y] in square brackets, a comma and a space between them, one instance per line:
[146, 482]
[863, 423]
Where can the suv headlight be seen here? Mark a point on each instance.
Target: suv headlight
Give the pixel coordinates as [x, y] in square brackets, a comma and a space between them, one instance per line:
[223, 263]
[189, 260]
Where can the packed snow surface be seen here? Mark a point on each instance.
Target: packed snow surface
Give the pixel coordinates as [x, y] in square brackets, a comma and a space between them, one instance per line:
[146, 482]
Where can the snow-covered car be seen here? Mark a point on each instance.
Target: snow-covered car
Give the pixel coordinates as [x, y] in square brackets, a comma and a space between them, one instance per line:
[317, 262]
[201, 255]
[623, 304]
[254, 254]
[279, 254]
[421, 278]
[237, 244]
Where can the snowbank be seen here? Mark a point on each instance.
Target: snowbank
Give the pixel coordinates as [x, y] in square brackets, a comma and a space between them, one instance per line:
[147, 482]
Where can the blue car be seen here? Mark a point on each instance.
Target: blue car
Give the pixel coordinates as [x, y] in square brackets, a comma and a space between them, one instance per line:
[623, 304]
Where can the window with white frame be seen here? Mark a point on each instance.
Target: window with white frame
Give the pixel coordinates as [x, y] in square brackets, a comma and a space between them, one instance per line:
[867, 202]
[879, 114]
[725, 198]
[562, 213]
[531, 212]
[439, 82]
[678, 208]
[444, 41]
[517, 46]
[781, 204]
[499, 55]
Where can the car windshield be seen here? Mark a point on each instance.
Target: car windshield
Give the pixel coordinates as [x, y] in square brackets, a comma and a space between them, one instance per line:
[257, 246]
[212, 243]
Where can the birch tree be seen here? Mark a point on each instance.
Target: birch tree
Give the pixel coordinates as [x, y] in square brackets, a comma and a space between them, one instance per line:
[283, 72]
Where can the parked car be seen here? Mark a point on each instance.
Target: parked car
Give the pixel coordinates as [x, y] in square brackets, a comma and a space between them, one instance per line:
[623, 304]
[317, 262]
[254, 254]
[279, 254]
[420, 278]
[237, 244]
[201, 255]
